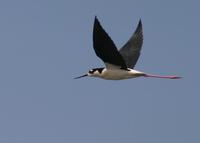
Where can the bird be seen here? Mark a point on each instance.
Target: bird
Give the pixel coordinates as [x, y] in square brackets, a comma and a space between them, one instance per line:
[119, 64]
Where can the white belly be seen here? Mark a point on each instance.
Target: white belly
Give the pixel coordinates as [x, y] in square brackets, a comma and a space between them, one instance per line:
[118, 74]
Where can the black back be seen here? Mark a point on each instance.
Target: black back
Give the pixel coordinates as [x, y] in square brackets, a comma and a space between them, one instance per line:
[105, 48]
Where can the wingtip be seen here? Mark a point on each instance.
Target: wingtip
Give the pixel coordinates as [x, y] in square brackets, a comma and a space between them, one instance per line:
[96, 20]
[140, 23]
[139, 26]
[97, 24]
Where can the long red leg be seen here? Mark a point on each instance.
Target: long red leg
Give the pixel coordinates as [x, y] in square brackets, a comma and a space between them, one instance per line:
[158, 76]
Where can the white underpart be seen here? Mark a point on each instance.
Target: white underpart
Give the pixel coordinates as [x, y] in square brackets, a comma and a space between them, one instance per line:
[117, 74]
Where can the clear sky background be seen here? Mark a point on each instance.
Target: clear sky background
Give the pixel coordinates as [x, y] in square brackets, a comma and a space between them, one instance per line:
[44, 44]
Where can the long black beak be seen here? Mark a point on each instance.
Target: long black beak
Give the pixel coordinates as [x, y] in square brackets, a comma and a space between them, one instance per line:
[81, 76]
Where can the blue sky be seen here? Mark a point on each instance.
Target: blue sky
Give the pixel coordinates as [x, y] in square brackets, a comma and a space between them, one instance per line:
[45, 44]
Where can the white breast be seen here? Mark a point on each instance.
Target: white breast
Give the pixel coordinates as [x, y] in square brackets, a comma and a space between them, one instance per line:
[118, 74]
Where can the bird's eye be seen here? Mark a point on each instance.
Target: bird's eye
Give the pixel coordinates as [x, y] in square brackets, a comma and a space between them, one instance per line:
[90, 71]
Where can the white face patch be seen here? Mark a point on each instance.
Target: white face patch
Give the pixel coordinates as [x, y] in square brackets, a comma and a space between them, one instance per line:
[96, 72]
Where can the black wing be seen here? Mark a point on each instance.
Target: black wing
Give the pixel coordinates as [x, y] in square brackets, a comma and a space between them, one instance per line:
[105, 48]
[131, 50]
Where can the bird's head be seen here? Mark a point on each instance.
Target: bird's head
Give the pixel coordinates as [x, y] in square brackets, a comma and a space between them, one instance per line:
[93, 73]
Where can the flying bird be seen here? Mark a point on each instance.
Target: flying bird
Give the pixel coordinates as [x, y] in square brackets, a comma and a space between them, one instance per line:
[118, 64]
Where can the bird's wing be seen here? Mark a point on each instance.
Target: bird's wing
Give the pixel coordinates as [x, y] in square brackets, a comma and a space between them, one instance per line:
[105, 48]
[131, 50]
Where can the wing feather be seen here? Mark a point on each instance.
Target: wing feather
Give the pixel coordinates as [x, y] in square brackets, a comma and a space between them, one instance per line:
[105, 48]
[131, 50]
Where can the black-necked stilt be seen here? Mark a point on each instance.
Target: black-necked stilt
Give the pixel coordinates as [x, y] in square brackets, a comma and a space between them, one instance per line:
[119, 64]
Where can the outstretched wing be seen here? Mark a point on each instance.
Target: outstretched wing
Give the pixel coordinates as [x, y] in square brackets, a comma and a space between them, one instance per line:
[131, 50]
[105, 48]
